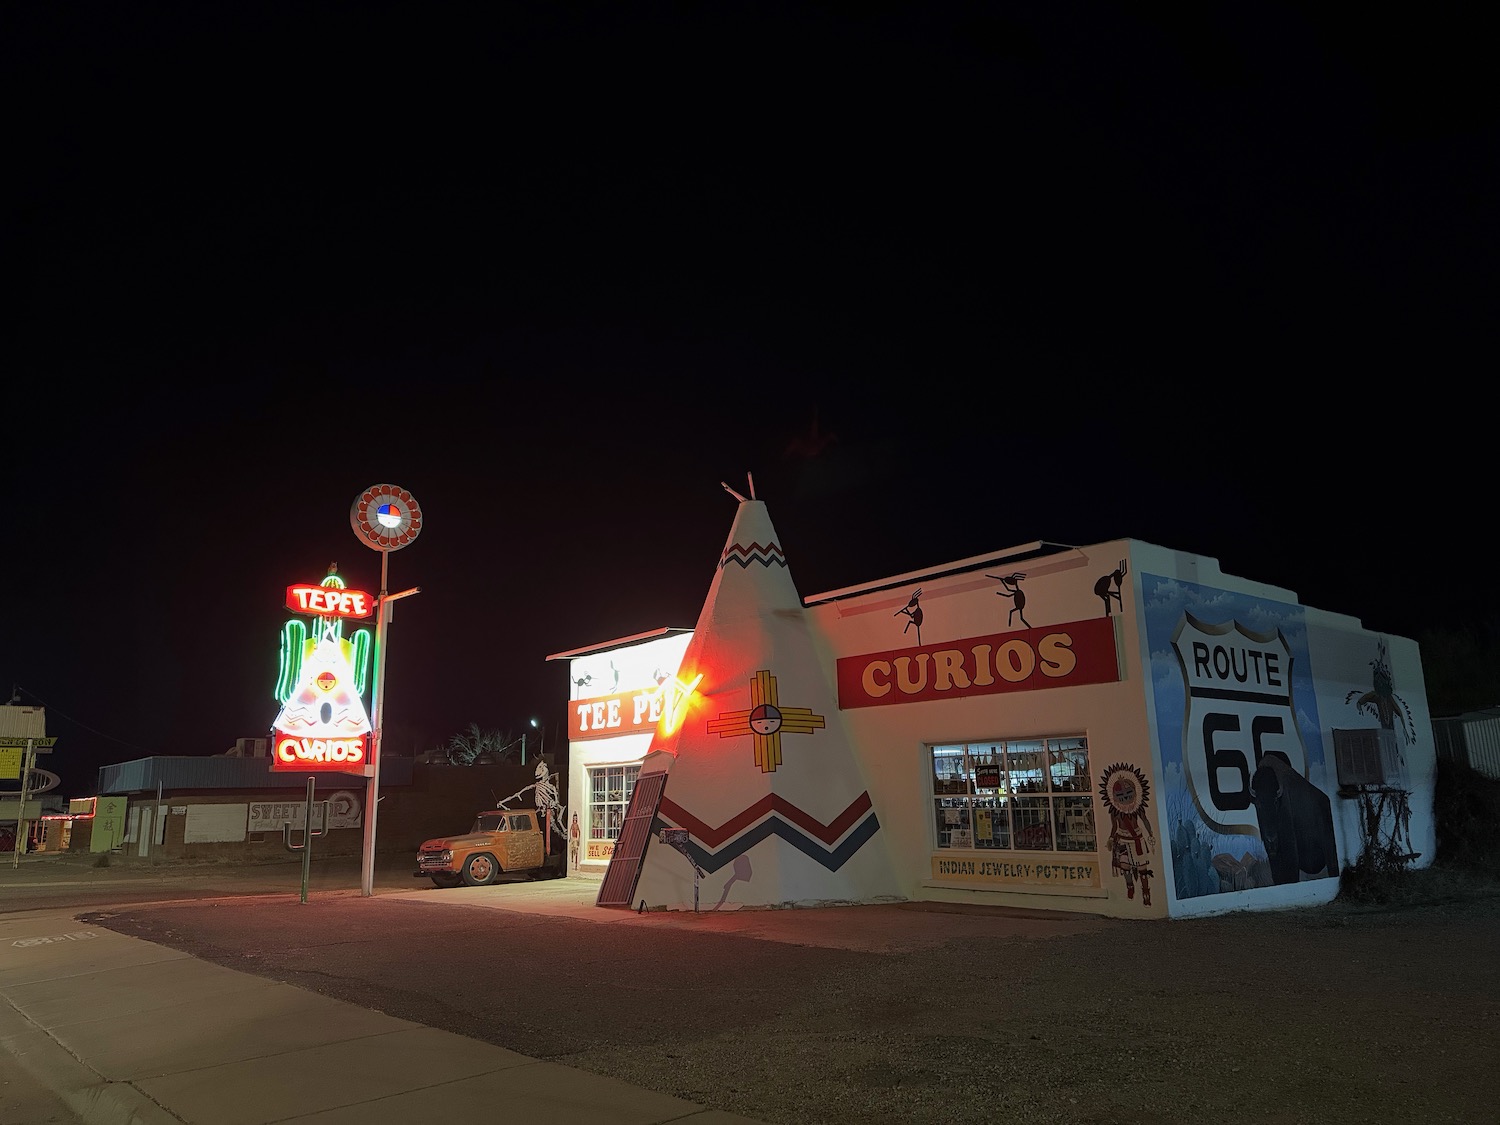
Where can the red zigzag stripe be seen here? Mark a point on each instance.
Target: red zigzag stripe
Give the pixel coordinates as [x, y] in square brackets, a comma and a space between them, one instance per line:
[772, 802]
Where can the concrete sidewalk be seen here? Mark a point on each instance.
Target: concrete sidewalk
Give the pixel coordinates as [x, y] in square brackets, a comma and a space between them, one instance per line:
[126, 1032]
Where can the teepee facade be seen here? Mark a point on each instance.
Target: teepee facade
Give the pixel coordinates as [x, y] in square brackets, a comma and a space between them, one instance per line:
[760, 773]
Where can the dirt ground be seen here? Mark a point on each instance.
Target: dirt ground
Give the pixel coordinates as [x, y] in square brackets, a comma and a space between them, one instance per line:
[1326, 1015]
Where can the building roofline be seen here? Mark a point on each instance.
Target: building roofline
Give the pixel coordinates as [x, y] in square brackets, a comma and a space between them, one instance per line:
[1024, 551]
[619, 642]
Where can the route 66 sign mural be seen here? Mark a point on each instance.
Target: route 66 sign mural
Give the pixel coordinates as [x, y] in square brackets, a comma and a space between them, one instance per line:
[1239, 708]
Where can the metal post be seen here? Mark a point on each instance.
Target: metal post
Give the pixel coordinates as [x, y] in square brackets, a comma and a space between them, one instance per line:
[372, 787]
[158, 819]
[22, 825]
[523, 747]
[307, 836]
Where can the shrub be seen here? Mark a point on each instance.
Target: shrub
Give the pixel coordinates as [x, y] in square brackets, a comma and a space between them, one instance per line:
[1466, 821]
[1466, 815]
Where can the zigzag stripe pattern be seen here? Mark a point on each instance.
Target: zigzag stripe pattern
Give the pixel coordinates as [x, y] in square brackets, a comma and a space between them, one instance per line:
[766, 555]
[771, 802]
[832, 859]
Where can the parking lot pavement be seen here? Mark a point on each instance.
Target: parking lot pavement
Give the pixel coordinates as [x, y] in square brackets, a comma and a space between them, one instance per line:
[121, 1031]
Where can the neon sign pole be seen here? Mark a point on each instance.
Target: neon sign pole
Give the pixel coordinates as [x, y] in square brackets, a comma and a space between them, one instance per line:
[385, 518]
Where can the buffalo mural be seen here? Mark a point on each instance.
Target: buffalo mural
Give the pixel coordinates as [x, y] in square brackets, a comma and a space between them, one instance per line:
[1296, 822]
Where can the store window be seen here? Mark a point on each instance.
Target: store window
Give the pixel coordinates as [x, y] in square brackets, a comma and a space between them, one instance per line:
[609, 794]
[1028, 795]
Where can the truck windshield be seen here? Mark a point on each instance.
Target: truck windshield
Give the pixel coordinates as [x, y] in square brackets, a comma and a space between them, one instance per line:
[490, 822]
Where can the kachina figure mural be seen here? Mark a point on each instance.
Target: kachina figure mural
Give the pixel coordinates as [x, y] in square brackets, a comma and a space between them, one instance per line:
[1124, 791]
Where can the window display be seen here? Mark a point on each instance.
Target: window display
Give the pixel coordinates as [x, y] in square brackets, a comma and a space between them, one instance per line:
[1028, 794]
[609, 795]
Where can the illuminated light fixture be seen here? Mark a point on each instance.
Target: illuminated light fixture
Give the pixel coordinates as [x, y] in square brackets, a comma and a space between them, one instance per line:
[385, 517]
[675, 695]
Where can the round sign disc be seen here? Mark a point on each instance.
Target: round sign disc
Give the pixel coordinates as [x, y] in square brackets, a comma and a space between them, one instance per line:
[385, 517]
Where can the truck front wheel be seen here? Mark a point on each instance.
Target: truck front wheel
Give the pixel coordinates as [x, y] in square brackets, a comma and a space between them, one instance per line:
[446, 881]
[480, 870]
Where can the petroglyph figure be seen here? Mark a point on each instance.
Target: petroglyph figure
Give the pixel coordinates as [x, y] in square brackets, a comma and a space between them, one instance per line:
[1108, 588]
[1013, 591]
[913, 612]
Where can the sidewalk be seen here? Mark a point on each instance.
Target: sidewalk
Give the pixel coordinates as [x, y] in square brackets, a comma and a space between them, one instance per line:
[130, 1033]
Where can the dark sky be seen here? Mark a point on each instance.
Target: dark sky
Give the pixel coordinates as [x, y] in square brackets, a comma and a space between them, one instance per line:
[1220, 280]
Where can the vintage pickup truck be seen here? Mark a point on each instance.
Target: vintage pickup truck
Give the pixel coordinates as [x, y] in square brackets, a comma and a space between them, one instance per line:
[502, 841]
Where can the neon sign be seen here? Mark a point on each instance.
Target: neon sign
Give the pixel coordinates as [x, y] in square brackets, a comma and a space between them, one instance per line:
[294, 752]
[323, 725]
[329, 601]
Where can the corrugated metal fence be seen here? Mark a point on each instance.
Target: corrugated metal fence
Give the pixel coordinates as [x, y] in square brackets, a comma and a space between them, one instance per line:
[1473, 739]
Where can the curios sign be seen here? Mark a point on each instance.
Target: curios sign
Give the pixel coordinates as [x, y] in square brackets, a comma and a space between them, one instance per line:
[306, 754]
[1067, 655]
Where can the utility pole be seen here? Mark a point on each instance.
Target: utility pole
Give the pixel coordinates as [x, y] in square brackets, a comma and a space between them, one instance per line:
[23, 826]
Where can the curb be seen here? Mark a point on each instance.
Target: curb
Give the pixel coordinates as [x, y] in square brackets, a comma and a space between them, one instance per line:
[95, 1099]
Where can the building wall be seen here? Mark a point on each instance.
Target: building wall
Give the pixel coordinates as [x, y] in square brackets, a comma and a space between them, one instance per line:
[625, 674]
[893, 740]
[1232, 681]
[441, 800]
[1351, 695]
[1210, 748]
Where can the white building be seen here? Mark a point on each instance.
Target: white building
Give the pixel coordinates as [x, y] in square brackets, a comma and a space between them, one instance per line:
[1119, 729]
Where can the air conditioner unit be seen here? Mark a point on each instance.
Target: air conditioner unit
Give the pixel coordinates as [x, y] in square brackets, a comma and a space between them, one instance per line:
[1368, 756]
[251, 747]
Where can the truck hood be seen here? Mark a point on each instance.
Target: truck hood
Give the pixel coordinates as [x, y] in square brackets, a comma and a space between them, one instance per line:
[469, 840]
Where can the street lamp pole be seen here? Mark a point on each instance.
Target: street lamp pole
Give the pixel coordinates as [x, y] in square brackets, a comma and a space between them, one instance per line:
[385, 518]
[377, 701]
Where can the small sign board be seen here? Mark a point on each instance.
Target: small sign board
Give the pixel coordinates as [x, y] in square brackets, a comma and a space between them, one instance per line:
[41, 745]
[677, 837]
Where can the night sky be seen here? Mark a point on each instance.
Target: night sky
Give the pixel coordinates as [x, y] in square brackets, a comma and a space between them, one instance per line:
[943, 279]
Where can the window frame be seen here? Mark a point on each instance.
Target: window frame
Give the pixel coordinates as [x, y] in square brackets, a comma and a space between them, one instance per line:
[601, 825]
[1041, 802]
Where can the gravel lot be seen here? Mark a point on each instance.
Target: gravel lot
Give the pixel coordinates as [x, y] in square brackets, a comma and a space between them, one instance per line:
[1326, 1015]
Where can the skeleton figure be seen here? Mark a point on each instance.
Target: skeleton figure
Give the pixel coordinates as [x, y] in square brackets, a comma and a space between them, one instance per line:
[546, 798]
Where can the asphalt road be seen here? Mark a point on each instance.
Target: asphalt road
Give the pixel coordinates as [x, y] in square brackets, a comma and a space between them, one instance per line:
[1326, 1015]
